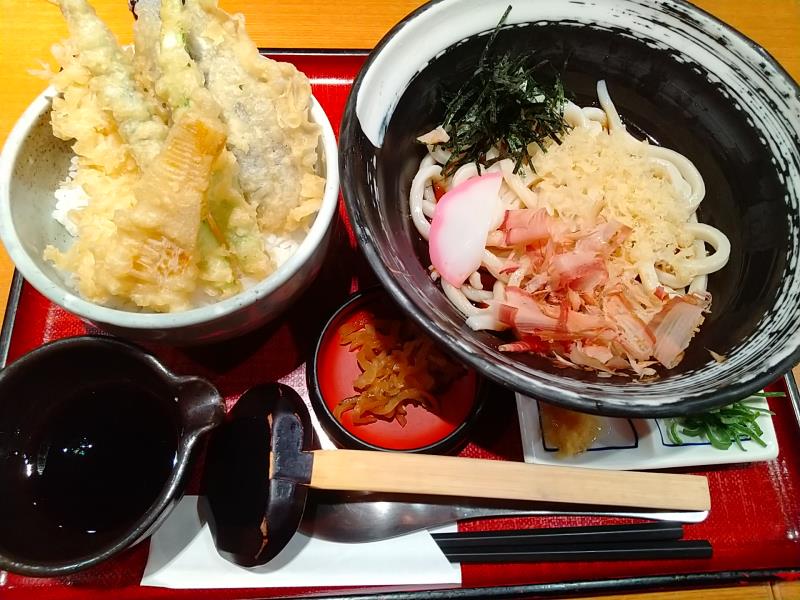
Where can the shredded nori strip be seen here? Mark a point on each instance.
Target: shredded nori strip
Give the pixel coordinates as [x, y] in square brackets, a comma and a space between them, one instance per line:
[506, 103]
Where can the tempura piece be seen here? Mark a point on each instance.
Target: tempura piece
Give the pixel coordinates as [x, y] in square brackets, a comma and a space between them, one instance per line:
[148, 253]
[106, 172]
[114, 82]
[231, 242]
[570, 431]
[155, 200]
[235, 220]
[179, 82]
[156, 256]
[146, 33]
[78, 115]
[265, 105]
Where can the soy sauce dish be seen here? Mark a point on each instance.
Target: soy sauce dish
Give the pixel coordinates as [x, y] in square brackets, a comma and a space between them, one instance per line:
[440, 428]
[680, 79]
[96, 437]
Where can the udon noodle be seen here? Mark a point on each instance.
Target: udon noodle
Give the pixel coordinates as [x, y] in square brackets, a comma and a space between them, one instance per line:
[594, 255]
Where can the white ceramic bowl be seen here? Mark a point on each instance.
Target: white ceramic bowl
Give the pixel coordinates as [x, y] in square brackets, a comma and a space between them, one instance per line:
[32, 165]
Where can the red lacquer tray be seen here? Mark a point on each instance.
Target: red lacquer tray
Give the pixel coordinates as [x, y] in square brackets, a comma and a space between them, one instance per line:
[754, 525]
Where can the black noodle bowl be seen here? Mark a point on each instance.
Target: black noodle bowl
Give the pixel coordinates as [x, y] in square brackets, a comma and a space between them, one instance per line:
[720, 100]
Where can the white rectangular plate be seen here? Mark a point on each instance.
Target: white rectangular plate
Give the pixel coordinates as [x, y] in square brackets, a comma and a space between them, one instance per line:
[630, 444]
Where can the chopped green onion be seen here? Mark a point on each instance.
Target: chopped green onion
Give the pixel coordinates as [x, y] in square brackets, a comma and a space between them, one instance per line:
[725, 426]
[672, 432]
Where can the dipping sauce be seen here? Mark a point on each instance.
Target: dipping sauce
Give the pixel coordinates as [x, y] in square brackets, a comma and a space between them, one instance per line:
[91, 466]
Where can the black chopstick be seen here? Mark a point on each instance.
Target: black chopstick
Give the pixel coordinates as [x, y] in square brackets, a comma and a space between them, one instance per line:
[646, 550]
[638, 541]
[665, 530]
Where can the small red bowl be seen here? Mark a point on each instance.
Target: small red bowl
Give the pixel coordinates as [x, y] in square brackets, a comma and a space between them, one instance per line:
[334, 368]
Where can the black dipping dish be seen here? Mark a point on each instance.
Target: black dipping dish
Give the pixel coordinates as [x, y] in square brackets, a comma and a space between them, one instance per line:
[96, 437]
[333, 368]
[679, 77]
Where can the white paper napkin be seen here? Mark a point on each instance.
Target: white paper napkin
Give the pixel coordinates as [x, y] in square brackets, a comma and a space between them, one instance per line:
[182, 556]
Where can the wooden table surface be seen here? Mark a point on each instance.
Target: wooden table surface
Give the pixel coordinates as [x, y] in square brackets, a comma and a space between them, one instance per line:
[29, 27]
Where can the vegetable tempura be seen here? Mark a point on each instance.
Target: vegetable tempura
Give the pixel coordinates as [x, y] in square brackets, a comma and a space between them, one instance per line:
[192, 153]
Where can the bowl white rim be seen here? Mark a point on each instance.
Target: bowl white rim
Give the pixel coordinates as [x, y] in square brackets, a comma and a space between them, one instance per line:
[147, 320]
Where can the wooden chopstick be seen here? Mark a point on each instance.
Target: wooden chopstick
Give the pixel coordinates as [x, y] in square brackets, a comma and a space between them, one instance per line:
[646, 550]
[402, 473]
[665, 530]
